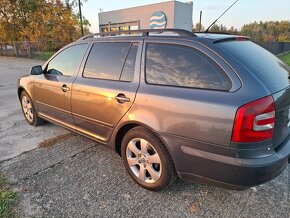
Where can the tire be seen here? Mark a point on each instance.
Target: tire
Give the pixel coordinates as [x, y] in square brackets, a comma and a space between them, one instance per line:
[143, 151]
[28, 110]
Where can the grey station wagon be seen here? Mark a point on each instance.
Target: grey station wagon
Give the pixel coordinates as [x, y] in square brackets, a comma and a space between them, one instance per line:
[205, 107]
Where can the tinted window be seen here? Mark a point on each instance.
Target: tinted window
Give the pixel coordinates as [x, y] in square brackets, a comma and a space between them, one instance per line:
[176, 65]
[66, 62]
[106, 60]
[129, 66]
[271, 70]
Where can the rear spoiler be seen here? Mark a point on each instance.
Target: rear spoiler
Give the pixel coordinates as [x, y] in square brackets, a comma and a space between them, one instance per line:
[234, 38]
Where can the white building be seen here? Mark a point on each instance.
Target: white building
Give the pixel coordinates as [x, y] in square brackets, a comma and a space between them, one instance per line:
[171, 14]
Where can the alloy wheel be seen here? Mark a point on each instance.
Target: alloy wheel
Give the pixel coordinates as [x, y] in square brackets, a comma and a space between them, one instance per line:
[27, 108]
[143, 160]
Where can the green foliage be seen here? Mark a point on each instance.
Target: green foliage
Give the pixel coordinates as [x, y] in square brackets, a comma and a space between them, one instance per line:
[39, 20]
[3, 181]
[7, 198]
[285, 58]
[198, 28]
[43, 55]
[270, 31]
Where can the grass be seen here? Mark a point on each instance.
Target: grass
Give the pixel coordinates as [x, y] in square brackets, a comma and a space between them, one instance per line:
[7, 198]
[285, 58]
[43, 55]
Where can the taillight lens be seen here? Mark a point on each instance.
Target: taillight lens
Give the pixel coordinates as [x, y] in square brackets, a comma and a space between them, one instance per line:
[254, 122]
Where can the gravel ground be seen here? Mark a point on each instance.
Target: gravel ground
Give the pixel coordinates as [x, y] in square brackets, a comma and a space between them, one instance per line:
[66, 175]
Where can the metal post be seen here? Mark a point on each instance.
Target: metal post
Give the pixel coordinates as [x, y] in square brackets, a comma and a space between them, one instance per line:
[81, 17]
[200, 17]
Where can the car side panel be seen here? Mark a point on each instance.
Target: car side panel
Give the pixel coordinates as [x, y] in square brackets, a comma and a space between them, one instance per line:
[205, 116]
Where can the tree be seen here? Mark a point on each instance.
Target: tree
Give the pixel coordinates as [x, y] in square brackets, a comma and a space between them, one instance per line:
[38, 20]
[83, 22]
[263, 31]
[267, 31]
[197, 27]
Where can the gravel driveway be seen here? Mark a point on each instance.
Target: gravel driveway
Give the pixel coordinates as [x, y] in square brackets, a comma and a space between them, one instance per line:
[61, 174]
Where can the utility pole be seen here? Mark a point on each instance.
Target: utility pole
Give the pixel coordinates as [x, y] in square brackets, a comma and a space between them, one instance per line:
[81, 17]
[200, 16]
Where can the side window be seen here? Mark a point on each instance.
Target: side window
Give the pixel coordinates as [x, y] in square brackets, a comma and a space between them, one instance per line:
[66, 62]
[106, 60]
[129, 66]
[176, 65]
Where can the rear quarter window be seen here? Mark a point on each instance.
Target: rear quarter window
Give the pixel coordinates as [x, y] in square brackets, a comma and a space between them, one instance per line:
[182, 66]
[267, 67]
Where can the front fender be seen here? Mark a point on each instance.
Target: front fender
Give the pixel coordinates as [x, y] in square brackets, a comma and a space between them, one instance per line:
[26, 83]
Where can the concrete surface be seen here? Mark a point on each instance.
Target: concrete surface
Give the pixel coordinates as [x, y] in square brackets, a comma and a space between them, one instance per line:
[71, 176]
[16, 136]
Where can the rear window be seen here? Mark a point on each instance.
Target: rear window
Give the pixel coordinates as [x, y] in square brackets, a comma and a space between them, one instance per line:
[267, 67]
[181, 66]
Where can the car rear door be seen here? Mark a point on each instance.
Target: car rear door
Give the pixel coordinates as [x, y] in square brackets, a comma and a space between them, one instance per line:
[106, 89]
[52, 89]
[188, 90]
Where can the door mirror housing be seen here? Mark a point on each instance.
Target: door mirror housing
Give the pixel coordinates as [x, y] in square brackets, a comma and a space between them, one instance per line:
[36, 70]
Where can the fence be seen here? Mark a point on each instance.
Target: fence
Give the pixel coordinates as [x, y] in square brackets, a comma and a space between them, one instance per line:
[275, 47]
[34, 50]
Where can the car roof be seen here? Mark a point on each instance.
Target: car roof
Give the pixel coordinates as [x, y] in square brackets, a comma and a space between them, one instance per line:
[158, 33]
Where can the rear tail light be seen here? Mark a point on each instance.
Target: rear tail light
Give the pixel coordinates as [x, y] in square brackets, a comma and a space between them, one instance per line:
[254, 121]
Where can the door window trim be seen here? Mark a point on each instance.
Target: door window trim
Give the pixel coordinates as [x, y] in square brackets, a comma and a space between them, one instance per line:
[60, 51]
[112, 80]
[184, 87]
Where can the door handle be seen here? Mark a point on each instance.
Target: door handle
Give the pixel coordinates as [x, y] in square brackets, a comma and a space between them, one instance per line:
[65, 88]
[121, 98]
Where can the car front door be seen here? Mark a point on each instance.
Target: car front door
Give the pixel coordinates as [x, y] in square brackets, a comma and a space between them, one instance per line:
[52, 89]
[106, 89]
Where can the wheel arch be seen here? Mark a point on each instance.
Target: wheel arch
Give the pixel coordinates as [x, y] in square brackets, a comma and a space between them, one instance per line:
[20, 90]
[125, 127]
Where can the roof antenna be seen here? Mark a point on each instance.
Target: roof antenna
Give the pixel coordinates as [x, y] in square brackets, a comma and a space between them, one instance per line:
[206, 31]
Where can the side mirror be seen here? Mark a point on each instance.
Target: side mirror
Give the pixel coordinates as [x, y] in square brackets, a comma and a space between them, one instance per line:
[36, 70]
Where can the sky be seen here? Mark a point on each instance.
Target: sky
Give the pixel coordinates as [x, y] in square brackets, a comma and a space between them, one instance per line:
[245, 11]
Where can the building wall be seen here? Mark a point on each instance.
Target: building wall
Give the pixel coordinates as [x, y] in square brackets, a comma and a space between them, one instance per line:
[183, 15]
[176, 14]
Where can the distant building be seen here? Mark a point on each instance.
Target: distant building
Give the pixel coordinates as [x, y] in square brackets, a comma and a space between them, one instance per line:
[171, 14]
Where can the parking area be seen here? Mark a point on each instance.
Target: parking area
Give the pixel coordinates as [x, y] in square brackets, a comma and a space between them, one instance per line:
[61, 174]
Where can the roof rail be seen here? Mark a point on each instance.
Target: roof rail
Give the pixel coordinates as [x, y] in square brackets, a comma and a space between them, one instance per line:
[144, 32]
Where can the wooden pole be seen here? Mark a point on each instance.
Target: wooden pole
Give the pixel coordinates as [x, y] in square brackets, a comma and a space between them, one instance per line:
[200, 17]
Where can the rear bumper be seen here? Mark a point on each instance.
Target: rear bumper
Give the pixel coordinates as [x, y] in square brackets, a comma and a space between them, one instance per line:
[236, 173]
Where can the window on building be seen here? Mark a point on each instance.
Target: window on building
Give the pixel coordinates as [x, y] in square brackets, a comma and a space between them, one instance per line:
[134, 27]
[182, 66]
[106, 60]
[123, 28]
[114, 28]
[105, 29]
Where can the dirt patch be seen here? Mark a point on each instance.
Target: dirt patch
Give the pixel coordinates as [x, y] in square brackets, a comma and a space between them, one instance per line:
[51, 141]
[194, 208]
